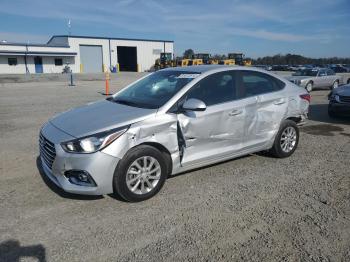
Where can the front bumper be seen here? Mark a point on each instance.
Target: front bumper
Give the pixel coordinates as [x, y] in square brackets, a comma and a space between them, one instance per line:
[339, 107]
[99, 165]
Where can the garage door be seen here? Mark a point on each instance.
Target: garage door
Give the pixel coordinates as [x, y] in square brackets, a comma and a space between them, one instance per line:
[127, 58]
[91, 58]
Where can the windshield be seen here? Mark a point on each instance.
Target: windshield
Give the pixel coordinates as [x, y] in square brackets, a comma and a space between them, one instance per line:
[165, 56]
[307, 72]
[155, 90]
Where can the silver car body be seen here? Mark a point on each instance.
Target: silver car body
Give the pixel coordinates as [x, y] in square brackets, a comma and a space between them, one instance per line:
[193, 139]
[325, 78]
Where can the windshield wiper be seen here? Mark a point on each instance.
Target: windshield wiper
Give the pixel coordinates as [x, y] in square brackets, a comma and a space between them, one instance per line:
[125, 102]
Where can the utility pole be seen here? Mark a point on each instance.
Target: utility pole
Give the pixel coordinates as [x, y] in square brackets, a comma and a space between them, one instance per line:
[25, 58]
[69, 27]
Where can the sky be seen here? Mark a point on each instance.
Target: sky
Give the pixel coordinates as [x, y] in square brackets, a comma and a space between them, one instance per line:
[257, 28]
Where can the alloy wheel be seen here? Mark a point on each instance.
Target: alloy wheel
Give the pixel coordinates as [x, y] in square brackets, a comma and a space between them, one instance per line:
[143, 175]
[309, 87]
[335, 84]
[288, 139]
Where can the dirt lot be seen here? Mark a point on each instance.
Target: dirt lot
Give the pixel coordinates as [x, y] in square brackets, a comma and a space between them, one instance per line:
[255, 208]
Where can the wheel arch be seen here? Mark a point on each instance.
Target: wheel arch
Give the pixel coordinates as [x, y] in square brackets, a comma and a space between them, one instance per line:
[296, 119]
[164, 151]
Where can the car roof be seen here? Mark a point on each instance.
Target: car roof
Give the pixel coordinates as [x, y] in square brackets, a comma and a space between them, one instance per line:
[202, 68]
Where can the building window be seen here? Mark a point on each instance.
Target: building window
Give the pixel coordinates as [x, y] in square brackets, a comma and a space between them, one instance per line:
[12, 61]
[58, 61]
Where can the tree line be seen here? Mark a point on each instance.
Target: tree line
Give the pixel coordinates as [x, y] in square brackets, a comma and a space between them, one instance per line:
[292, 59]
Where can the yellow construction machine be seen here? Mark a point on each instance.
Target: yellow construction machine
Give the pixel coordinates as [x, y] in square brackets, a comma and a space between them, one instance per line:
[183, 62]
[227, 61]
[207, 59]
[240, 59]
[165, 60]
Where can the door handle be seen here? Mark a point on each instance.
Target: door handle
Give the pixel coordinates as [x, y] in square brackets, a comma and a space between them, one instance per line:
[235, 112]
[279, 102]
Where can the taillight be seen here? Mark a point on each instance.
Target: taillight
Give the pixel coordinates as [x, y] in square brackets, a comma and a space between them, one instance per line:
[306, 97]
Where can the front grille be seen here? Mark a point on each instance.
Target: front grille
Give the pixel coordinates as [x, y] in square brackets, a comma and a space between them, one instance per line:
[344, 99]
[47, 150]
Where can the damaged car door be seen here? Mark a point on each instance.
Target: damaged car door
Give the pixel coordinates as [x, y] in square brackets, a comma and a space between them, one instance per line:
[218, 130]
[264, 120]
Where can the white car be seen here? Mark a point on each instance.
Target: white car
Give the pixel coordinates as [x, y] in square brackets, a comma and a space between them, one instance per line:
[168, 122]
[315, 78]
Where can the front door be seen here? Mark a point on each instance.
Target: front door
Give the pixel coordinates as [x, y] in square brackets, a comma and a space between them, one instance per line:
[38, 62]
[218, 131]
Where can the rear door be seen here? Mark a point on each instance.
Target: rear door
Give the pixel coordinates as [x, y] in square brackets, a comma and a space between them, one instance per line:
[331, 77]
[322, 79]
[264, 116]
[218, 131]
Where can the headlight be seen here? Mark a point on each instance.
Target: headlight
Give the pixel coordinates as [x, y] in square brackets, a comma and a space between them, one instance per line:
[334, 97]
[93, 143]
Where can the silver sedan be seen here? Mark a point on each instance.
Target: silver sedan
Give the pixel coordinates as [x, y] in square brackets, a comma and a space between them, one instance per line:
[315, 78]
[169, 122]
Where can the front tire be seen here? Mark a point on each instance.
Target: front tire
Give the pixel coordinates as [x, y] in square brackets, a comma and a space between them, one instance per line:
[140, 174]
[286, 140]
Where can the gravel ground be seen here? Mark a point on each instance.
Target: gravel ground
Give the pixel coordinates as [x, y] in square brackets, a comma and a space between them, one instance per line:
[255, 208]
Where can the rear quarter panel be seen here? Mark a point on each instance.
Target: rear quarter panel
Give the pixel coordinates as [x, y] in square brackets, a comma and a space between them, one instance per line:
[297, 106]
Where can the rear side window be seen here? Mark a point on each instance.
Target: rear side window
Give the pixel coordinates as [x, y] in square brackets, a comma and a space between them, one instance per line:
[330, 72]
[322, 72]
[215, 89]
[256, 83]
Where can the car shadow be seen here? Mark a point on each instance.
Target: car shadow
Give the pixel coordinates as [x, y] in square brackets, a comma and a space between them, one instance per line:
[11, 250]
[319, 113]
[60, 191]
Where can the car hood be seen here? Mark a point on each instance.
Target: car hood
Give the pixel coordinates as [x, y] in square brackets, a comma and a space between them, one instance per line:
[294, 78]
[342, 90]
[99, 116]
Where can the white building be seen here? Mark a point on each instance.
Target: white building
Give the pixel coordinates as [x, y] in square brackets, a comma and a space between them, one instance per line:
[85, 54]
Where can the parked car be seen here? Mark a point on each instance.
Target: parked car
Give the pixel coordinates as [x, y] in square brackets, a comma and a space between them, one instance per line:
[169, 122]
[340, 69]
[265, 67]
[339, 101]
[279, 68]
[315, 78]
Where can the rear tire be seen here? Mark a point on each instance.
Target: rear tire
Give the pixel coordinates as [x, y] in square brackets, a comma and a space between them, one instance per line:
[309, 87]
[335, 85]
[286, 140]
[133, 178]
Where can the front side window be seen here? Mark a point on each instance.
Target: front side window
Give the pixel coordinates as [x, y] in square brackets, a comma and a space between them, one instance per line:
[155, 90]
[214, 89]
[256, 83]
[306, 72]
[12, 61]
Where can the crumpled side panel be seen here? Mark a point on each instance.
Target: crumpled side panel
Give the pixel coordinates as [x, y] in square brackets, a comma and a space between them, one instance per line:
[161, 129]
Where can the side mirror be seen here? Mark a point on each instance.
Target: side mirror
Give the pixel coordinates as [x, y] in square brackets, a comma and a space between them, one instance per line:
[194, 104]
[322, 74]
